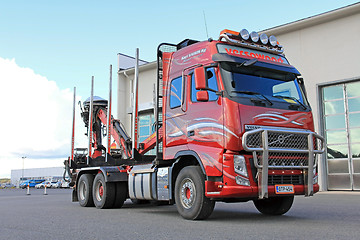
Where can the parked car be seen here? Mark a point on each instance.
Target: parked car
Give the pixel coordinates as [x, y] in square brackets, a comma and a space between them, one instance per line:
[56, 184]
[30, 183]
[8, 185]
[65, 184]
[43, 184]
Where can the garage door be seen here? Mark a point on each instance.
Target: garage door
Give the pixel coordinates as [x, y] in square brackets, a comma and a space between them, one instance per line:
[341, 111]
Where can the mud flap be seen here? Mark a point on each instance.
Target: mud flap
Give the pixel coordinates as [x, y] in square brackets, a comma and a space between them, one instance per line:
[74, 196]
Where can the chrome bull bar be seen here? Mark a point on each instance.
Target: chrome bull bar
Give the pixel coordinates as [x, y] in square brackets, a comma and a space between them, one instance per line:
[286, 149]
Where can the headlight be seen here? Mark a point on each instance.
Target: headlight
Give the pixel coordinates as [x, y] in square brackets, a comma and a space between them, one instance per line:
[240, 165]
[315, 178]
[242, 181]
[254, 36]
[273, 40]
[244, 34]
[264, 38]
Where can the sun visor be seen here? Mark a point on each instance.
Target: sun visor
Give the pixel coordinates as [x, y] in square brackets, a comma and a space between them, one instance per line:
[223, 57]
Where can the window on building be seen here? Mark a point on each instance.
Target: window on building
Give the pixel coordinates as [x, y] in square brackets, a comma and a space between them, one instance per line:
[146, 121]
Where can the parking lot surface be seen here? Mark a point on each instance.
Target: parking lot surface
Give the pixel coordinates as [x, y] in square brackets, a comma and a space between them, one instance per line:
[327, 215]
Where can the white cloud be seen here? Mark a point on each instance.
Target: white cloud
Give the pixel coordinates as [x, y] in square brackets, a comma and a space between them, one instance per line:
[35, 119]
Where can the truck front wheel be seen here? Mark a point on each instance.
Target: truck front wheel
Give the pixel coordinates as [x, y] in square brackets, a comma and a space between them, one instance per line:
[84, 190]
[190, 198]
[274, 205]
[103, 192]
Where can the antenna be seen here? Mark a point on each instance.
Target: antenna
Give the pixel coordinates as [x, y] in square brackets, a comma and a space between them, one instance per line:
[207, 34]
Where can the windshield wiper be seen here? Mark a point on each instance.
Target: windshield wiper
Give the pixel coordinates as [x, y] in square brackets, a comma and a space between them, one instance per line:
[292, 98]
[254, 93]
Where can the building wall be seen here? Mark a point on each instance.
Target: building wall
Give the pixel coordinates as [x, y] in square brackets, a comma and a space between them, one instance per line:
[36, 173]
[324, 52]
[325, 49]
[147, 79]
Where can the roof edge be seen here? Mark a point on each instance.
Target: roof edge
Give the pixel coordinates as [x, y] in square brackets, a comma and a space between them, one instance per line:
[315, 20]
[142, 67]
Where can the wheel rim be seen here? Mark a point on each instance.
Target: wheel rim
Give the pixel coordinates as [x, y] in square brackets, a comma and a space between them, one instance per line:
[187, 193]
[99, 191]
[82, 190]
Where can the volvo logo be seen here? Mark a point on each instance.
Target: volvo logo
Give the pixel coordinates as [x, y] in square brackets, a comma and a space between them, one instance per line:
[281, 139]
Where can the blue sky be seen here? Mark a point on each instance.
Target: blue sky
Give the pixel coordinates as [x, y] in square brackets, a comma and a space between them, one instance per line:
[69, 41]
[61, 44]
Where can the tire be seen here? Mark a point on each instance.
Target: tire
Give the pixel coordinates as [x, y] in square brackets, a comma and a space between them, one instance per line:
[190, 199]
[274, 205]
[103, 192]
[84, 190]
[120, 194]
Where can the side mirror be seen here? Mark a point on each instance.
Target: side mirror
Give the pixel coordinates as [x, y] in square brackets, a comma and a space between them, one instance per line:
[200, 78]
[202, 96]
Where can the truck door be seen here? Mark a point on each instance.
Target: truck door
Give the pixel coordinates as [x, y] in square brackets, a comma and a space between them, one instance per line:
[204, 121]
[175, 129]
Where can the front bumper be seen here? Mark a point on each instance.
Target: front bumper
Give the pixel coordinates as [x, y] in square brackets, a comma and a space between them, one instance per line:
[243, 192]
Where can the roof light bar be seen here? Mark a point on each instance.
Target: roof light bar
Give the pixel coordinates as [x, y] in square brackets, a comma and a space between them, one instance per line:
[269, 44]
[229, 32]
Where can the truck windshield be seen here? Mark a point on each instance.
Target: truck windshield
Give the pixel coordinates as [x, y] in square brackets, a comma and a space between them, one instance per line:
[267, 84]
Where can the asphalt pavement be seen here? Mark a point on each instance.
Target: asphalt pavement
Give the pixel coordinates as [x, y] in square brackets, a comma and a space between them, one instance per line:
[327, 215]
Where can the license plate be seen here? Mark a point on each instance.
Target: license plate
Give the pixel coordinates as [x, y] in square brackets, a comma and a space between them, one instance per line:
[284, 189]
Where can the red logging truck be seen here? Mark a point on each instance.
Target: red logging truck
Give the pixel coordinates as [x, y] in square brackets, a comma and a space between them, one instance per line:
[232, 124]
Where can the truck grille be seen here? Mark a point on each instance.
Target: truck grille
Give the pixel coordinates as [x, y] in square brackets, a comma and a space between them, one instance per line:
[284, 159]
[279, 140]
[285, 179]
[284, 148]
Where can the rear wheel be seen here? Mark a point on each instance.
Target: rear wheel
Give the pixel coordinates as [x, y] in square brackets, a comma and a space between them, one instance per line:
[103, 192]
[84, 190]
[275, 205]
[120, 194]
[190, 198]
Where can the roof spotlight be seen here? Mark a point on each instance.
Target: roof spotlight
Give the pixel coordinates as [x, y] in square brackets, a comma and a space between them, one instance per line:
[273, 40]
[244, 34]
[254, 36]
[264, 38]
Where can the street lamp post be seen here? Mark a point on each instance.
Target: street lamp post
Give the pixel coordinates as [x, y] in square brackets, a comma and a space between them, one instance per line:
[22, 175]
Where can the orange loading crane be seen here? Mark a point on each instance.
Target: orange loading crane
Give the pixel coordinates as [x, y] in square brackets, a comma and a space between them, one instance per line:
[94, 112]
[100, 123]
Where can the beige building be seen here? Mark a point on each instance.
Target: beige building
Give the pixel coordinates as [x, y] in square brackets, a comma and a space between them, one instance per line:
[324, 48]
